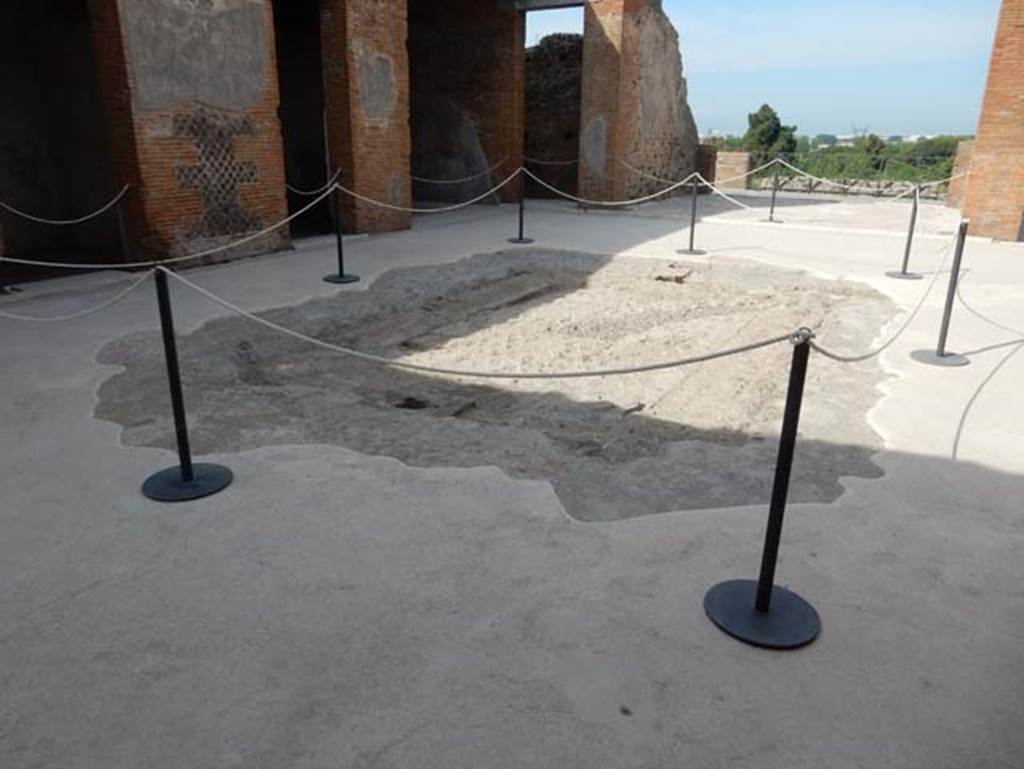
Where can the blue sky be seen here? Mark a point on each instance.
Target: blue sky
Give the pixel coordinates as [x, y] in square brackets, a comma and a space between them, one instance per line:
[893, 67]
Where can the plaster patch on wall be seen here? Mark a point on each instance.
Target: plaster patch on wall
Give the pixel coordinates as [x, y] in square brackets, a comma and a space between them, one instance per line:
[218, 174]
[377, 88]
[213, 51]
[396, 190]
[594, 144]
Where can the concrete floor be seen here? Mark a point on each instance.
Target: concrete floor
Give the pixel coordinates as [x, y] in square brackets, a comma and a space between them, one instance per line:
[335, 609]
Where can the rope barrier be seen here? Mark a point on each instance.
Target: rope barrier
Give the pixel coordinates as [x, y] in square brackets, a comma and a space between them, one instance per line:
[318, 190]
[474, 177]
[390, 363]
[68, 222]
[173, 260]
[571, 162]
[75, 316]
[610, 203]
[717, 191]
[899, 332]
[439, 210]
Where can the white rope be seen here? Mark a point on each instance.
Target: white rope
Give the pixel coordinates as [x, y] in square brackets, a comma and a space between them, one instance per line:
[611, 203]
[465, 179]
[849, 187]
[571, 162]
[652, 177]
[801, 334]
[440, 210]
[318, 190]
[67, 222]
[717, 191]
[899, 332]
[75, 316]
[174, 260]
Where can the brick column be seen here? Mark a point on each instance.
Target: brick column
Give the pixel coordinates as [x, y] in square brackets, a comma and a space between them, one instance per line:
[191, 99]
[994, 196]
[366, 88]
[633, 100]
[962, 165]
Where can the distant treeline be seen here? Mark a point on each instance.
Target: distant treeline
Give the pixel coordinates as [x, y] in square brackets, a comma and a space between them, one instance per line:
[868, 158]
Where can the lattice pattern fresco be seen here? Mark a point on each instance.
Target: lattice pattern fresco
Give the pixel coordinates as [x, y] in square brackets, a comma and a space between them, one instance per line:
[218, 174]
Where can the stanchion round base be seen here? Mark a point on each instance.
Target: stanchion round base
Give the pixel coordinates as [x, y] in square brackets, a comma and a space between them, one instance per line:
[167, 485]
[521, 241]
[904, 275]
[343, 278]
[790, 624]
[772, 221]
[931, 358]
[691, 251]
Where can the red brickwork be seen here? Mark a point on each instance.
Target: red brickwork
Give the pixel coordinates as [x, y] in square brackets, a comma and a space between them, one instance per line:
[473, 54]
[729, 165]
[961, 166]
[169, 211]
[366, 88]
[994, 199]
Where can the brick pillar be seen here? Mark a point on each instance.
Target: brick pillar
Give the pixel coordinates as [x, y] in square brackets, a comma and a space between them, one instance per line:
[994, 197]
[729, 165]
[366, 88]
[191, 99]
[962, 165]
[468, 64]
[634, 106]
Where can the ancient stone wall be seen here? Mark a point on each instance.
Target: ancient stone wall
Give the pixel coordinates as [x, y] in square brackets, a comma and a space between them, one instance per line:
[729, 165]
[554, 78]
[191, 95]
[994, 196]
[634, 112]
[466, 67]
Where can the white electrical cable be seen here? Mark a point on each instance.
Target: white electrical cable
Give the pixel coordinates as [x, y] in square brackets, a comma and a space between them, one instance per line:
[68, 222]
[173, 260]
[612, 203]
[318, 190]
[717, 191]
[75, 316]
[570, 162]
[801, 334]
[439, 210]
[463, 180]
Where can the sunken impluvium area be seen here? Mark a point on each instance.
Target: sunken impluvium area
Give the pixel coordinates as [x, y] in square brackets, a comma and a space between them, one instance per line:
[614, 447]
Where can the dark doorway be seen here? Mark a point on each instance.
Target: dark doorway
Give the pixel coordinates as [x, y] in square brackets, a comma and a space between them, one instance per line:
[54, 146]
[301, 84]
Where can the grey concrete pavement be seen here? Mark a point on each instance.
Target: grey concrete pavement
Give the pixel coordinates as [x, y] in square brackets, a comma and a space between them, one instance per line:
[333, 609]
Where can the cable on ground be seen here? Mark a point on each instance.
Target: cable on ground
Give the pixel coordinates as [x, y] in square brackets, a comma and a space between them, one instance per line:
[536, 161]
[799, 335]
[67, 222]
[75, 316]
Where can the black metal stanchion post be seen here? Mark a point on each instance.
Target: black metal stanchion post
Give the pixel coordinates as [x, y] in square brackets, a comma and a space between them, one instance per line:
[903, 274]
[692, 251]
[340, 276]
[522, 212]
[759, 612]
[940, 357]
[775, 191]
[188, 480]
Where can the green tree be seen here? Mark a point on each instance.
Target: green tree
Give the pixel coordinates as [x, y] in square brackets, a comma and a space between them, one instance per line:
[766, 136]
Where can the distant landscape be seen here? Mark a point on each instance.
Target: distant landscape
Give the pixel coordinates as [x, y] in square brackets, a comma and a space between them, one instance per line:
[862, 157]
